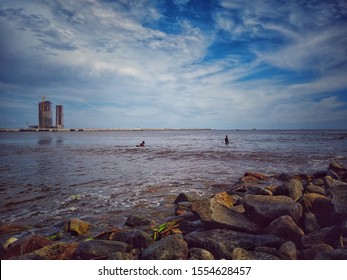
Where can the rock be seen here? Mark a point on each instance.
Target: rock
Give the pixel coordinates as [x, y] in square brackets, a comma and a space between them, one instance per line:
[172, 247]
[238, 208]
[242, 254]
[273, 189]
[136, 239]
[264, 209]
[124, 236]
[293, 188]
[224, 199]
[106, 235]
[182, 197]
[249, 181]
[183, 208]
[29, 256]
[309, 222]
[258, 191]
[310, 253]
[284, 177]
[315, 189]
[286, 228]
[267, 250]
[344, 225]
[333, 175]
[2, 252]
[9, 242]
[200, 254]
[339, 169]
[215, 215]
[141, 239]
[288, 251]
[303, 177]
[99, 249]
[320, 174]
[58, 251]
[221, 242]
[318, 182]
[78, 226]
[5, 229]
[338, 193]
[257, 175]
[122, 256]
[321, 207]
[27, 245]
[337, 254]
[328, 235]
[137, 220]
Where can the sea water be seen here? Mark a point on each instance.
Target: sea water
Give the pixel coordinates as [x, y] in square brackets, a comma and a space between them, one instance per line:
[102, 177]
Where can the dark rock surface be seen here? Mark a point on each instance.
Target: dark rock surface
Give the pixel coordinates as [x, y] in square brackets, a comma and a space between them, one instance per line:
[260, 217]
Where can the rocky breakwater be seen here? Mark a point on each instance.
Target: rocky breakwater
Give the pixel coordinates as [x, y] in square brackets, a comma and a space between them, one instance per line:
[262, 217]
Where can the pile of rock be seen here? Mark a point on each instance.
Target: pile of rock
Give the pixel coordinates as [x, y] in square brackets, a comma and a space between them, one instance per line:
[259, 217]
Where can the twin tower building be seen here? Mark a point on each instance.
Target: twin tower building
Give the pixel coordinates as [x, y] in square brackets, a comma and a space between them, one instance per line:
[45, 115]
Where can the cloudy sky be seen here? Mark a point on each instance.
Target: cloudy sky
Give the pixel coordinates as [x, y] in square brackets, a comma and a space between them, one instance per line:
[220, 64]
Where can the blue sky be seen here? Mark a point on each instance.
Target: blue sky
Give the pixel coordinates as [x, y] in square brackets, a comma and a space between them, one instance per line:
[223, 64]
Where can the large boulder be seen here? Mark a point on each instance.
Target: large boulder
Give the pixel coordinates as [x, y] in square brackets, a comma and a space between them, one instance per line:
[215, 215]
[320, 206]
[78, 226]
[122, 256]
[27, 245]
[242, 254]
[293, 188]
[285, 227]
[264, 209]
[337, 190]
[56, 251]
[309, 222]
[200, 254]
[337, 254]
[172, 247]
[224, 199]
[288, 251]
[310, 253]
[99, 249]
[138, 221]
[135, 238]
[222, 242]
[311, 188]
[328, 235]
[339, 169]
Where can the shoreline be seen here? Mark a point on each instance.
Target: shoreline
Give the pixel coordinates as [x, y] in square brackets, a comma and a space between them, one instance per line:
[163, 129]
[260, 217]
[99, 129]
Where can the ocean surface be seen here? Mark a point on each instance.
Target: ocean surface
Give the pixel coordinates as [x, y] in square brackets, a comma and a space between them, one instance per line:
[102, 177]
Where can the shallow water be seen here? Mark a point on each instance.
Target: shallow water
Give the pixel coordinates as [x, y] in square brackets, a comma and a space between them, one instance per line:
[101, 177]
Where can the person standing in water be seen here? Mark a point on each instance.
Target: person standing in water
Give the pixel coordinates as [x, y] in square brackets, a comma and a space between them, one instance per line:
[226, 140]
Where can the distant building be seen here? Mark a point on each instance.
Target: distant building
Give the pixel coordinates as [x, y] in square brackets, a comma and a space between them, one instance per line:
[45, 114]
[59, 116]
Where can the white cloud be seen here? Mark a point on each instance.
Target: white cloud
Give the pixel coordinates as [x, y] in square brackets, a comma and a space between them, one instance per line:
[109, 59]
[318, 51]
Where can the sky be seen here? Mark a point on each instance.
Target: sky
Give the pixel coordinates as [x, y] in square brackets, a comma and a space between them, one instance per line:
[222, 64]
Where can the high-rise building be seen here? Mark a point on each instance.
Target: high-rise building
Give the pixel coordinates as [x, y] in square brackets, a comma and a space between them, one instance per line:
[45, 114]
[59, 116]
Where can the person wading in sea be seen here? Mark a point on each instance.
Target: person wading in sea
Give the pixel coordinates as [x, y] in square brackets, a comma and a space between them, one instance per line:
[226, 140]
[141, 145]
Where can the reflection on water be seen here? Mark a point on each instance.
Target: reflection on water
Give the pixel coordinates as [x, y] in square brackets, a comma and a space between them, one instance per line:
[44, 141]
[102, 176]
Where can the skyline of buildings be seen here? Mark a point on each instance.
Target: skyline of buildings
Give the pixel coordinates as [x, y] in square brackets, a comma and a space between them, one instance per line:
[59, 116]
[45, 115]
